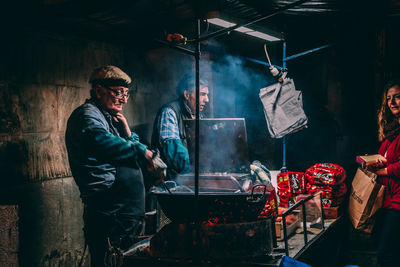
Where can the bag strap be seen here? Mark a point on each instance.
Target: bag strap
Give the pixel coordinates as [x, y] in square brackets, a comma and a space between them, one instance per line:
[371, 175]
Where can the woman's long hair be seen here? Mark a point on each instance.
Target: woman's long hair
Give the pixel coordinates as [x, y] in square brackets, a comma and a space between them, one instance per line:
[385, 116]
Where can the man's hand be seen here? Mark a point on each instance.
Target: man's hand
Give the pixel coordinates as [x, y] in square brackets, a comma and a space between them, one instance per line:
[120, 118]
[157, 168]
[148, 155]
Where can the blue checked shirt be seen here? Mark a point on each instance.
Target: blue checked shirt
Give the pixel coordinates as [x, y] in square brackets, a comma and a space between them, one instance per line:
[175, 153]
[169, 125]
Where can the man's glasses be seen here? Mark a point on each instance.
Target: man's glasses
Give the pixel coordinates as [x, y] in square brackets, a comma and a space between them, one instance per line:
[118, 94]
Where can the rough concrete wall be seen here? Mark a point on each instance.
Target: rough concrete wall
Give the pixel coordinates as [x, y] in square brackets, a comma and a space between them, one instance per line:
[43, 78]
[9, 235]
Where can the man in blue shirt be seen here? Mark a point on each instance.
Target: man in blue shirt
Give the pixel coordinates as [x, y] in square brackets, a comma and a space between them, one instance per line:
[169, 135]
[105, 158]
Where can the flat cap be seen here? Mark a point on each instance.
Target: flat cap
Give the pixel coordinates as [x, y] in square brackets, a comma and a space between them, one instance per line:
[110, 76]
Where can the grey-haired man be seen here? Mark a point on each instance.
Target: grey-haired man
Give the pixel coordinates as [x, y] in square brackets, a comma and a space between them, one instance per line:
[169, 135]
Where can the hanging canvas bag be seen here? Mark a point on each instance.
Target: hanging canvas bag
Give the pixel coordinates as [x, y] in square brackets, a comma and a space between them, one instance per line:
[283, 108]
[366, 198]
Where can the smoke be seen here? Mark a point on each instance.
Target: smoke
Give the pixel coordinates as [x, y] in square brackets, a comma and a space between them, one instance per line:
[236, 86]
[228, 146]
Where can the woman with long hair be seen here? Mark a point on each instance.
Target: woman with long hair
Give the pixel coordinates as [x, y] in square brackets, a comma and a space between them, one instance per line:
[388, 171]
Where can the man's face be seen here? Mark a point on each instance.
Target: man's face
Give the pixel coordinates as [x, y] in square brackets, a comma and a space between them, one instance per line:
[191, 98]
[112, 98]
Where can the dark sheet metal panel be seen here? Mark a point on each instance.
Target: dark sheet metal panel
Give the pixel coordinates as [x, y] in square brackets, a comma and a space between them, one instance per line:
[223, 144]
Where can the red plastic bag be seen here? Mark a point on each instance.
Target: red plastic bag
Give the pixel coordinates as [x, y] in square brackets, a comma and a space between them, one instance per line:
[325, 174]
[289, 185]
[332, 196]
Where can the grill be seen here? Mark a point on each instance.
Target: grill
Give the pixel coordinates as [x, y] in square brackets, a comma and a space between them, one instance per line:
[223, 222]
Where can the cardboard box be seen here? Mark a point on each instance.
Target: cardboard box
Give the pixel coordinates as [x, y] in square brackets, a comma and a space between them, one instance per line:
[332, 212]
[290, 229]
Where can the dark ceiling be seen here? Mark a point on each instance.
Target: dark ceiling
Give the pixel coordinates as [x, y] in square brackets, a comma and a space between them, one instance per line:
[118, 18]
[143, 20]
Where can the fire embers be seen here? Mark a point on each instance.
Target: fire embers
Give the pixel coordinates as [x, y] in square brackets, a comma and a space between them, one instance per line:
[290, 184]
[233, 211]
[327, 178]
[207, 241]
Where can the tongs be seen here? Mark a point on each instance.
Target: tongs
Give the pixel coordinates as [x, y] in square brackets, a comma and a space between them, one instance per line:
[164, 183]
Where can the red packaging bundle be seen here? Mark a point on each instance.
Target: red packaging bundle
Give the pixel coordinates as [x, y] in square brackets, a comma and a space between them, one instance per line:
[328, 191]
[271, 206]
[290, 184]
[297, 183]
[283, 189]
[327, 178]
[325, 174]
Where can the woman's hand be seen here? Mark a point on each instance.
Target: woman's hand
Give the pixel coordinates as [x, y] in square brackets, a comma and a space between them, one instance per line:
[120, 118]
[376, 165]
[381, 172]
[381, 162]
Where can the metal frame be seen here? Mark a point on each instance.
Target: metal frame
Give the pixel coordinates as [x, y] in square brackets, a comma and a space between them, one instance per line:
[196, 54]
[198, 39]
[226, 30]
[303, 207]
[284, 60]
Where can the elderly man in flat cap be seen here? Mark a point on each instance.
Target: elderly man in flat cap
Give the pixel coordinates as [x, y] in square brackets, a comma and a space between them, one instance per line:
[105, 159]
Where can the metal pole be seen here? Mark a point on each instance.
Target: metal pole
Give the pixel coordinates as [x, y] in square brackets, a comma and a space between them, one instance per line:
[197, 258]
[262, 63]
[223, 31]
[274, 241]
[306, 52]
[285, 236]
[303, 206]
[173, 46]
[322, 212]
[284, 138]
[197, 132]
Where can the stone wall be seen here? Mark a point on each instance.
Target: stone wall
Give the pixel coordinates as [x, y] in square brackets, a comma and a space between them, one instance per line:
[43, 78]
[9, 235]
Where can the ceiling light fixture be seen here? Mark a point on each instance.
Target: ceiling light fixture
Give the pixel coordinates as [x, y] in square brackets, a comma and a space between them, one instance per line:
[227, 24]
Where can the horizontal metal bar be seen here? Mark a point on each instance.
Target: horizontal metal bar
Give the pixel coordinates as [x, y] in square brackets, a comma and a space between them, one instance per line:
[262, 63]
[289, 210]
[306, 52]
[223, 31]
[182, 49]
